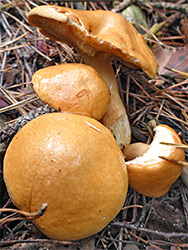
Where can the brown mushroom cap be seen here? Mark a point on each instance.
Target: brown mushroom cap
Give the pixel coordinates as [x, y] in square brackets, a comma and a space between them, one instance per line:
[151, 175]
[74, 164]
[95, 31]
[73, 87]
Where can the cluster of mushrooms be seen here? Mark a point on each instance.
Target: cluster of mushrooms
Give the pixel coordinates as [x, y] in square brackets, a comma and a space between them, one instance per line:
[72, 160]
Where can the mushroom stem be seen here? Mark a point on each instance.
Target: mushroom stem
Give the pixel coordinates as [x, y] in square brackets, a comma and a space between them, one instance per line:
[116, 116]
[99, 36]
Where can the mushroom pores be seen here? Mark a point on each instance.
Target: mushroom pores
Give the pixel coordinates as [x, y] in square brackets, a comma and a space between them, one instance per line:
[72, 163]
[148, 173]
[73, 87]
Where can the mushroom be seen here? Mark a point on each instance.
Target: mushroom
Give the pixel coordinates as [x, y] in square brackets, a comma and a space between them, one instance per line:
[73, 87]
[72, 163]
[148, 173]
[134, 150]
[99, 37]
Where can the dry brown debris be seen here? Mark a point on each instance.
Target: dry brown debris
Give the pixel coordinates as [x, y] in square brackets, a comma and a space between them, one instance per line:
[162, 223]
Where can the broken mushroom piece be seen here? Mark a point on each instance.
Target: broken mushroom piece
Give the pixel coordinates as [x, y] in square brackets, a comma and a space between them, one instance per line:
[99, 37]
[73, 87]
[148, 173]
[134, 150]
[72, 163]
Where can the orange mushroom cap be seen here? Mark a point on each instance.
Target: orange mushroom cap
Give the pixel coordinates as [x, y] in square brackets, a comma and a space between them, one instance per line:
[72, 163]
[95, 31]
[73, 87]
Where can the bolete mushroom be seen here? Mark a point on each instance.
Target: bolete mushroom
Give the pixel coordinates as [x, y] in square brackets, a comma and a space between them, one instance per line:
[73, 87]
[148, 173]
[134, 150]
[72, 163]
[99, 37]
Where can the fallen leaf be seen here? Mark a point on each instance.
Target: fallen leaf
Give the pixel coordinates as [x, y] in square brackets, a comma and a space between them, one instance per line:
[163, 56]
[176, 59]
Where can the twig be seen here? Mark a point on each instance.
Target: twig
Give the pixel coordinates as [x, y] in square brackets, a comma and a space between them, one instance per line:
[183, 8]
[25, 215]
[149, 231]
[19, 104]
[170, 88]
[12, 100]
[123, 5]
[131, 206]
[145, 241]
[9, 5]
[41, 241]
[184, 200]
[181, 163]
[18, 21]
[15, 47]
[178, 145]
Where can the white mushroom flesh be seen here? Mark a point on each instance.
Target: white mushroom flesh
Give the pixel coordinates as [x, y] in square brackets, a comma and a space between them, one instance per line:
[156, 149]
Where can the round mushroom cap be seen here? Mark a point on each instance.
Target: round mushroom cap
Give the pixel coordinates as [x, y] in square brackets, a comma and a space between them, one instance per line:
[72, 163]
[73, 87]
[148, 173]
[95, 31]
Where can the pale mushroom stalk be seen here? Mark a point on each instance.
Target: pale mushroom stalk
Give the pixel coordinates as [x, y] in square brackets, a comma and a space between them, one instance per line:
[99, 36]
[115, 117]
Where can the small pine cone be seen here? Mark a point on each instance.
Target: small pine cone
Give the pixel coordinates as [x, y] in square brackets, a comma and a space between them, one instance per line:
[8, 132]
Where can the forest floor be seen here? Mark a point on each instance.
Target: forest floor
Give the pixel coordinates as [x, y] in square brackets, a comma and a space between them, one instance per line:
[161, 223]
